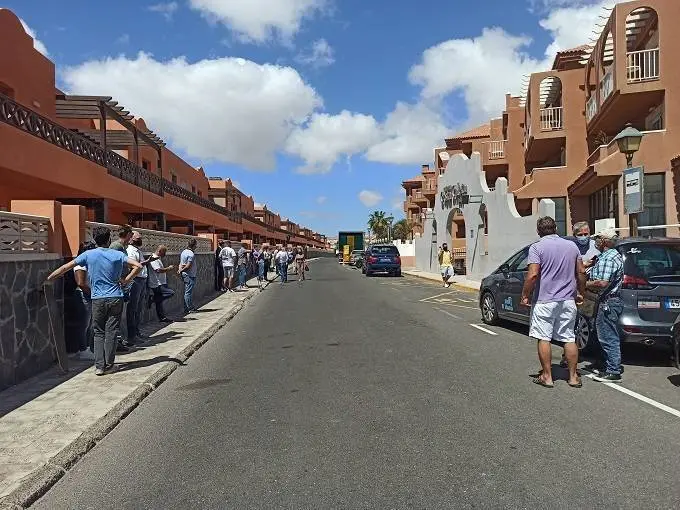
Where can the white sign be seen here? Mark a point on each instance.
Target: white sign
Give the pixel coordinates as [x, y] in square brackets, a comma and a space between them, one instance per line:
[632, 183]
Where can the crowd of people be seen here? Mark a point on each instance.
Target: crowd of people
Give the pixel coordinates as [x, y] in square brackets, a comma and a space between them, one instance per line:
[560, 270]
[111, 279]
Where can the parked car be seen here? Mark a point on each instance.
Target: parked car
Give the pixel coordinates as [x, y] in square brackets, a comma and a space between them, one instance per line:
[382, 258]
[650, 291]
[356, 255]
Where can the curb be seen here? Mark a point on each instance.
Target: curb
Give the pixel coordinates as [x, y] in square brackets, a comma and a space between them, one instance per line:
[36, 485]
[453, 284]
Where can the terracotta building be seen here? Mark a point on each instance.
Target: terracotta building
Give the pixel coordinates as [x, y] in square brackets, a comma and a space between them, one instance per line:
[91, 151]
[556, 140]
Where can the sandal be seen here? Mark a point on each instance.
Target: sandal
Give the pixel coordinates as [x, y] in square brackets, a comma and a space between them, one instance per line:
[540, 382]
[577, 385]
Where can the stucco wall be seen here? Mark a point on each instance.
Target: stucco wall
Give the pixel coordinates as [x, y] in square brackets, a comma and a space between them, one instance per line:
[507, 230]
[26, 338]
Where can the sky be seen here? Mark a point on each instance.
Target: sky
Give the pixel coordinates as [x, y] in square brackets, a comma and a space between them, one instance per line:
[317, 108]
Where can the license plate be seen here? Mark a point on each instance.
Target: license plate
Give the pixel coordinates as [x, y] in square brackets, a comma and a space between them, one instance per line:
[388, 260]
[649, 304]
[673, 304]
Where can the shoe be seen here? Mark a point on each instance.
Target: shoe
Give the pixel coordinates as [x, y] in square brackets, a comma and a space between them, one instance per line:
[122, 348]
[99, 371]
[86, 355]
[607, 377]
[165, 319]
[111, 369]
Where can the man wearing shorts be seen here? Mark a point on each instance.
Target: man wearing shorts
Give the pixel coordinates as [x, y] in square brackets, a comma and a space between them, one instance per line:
[556, 265]
[445, 265]
[227, 256]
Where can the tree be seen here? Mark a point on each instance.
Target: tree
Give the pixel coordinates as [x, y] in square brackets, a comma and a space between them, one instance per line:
[403, 229]
[379, 224]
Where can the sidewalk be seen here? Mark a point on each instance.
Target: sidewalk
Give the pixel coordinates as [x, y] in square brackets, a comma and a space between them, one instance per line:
[457, 281]
[50, 421]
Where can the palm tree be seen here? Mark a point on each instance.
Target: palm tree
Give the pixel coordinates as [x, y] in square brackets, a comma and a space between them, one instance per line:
[403, 229]
[379, 224]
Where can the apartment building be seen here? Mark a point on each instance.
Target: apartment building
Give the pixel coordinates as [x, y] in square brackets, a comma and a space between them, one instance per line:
[91, 151]
[557, 140]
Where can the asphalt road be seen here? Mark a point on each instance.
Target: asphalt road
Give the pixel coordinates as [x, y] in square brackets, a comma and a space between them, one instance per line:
[353, 392]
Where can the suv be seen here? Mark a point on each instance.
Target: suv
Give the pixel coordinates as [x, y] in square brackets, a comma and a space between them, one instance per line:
[382, 258]
[650, 291]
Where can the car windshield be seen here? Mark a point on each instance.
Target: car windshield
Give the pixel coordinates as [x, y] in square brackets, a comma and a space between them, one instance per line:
[385, 250]
[650, 260]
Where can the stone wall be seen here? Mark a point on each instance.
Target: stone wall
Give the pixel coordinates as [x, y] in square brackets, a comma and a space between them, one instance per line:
[27, 340]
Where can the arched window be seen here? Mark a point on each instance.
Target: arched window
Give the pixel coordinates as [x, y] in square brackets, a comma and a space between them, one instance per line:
[642, 45]
[550, 91]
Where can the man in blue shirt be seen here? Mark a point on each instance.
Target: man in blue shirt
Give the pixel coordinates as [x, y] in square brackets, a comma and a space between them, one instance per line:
[188, 270]
[104, 271]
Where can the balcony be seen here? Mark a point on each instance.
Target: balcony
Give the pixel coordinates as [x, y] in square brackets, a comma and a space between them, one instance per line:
[642, 65]
[591, 107]
[551, 118]
[607, 85]
[608, 161]
[496, 149]
[419, 197]
[430, 188]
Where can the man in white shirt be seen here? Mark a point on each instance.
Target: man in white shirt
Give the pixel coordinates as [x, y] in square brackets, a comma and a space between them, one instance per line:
[282, 264]
[158, 282]
[137, 289]
[227, 256]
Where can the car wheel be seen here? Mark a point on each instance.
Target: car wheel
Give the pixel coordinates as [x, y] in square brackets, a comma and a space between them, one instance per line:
[398, 273]
[489, 310]
[584, 332]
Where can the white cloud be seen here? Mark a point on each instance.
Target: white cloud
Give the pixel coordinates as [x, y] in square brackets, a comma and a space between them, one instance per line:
[326, 137]
[571, 26]
[370, 198]
[260, 20]
[166, 9]
[227, 109]
[321, 200]
[321, 55]
[37, 43]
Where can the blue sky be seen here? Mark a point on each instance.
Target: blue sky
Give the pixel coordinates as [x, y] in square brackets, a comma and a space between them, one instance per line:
[318, 108]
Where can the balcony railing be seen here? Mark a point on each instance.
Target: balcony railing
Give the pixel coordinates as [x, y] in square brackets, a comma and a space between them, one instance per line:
[496, 149]
[23, 233]
[591, 107]
[643, 65]
[178, 191]
[27, 120]
[607, 85]
[551, 118]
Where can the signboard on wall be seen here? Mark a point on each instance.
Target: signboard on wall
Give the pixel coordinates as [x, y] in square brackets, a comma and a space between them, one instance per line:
[633, 190]
[454, 195]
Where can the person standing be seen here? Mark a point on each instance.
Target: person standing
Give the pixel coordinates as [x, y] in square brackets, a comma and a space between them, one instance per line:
[188, 270]
[605, 278]
[586, 246]
[227, 258]
[219, 269]
[300, 264]
[158, 282]
[267, 262]
[261, 275]
[84, 294]
[445, 264]
[121, 244]
[137, 290]
[282, 264]
[557, 263]
[105, 276]
[242, 267]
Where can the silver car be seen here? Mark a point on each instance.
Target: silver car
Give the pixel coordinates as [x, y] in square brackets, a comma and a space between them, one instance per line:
[650, 291]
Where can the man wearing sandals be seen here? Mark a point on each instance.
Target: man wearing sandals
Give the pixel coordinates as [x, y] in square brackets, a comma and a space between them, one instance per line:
[555, 264]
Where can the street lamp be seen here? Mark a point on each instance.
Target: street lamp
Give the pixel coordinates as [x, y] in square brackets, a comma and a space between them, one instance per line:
[629, 141]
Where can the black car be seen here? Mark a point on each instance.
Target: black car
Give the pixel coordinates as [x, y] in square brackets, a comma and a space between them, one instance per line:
[382, 258]
[650, 291]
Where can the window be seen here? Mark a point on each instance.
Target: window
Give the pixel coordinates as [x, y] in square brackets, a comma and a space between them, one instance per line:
[604, 203]
[385, 250]
[651, 260]
[655, 206]
[173, 177]
[521, 263]
[200, 193]
[561, 215]
[193, 189]
[654, 120]
[514, 261]
[145, 164]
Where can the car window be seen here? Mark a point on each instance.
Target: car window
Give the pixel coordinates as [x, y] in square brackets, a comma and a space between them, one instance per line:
[521, 263]
[649, 260]
[385, 250]
[512, 261]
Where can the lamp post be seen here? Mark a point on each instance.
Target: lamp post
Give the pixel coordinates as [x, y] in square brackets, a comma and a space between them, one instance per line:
[629, 141]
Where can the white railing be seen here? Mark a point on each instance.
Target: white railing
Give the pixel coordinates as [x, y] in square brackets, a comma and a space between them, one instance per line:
[496, 149]
[152, 238]
[643, 65]
[23, 233]
[591, 108]
[551, 118]
[607, 85]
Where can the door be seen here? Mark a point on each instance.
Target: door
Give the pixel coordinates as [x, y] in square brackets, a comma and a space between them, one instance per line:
[511, 288]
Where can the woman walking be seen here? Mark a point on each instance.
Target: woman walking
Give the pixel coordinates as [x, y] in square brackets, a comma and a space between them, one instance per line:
[300, 264]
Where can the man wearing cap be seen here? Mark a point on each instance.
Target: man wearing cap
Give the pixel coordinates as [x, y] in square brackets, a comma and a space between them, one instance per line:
[445, 264]
[605, 279]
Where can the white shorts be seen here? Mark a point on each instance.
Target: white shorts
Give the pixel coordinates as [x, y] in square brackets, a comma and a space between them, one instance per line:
[447, 271]
[553, 321]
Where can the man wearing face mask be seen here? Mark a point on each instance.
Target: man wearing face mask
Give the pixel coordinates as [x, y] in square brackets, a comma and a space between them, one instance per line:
[584, 243]
[138, 288]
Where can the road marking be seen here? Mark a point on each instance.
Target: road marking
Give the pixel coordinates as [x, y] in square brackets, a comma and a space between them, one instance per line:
[448, 313]
[480, 328]
[437, 296]
[642, 398]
